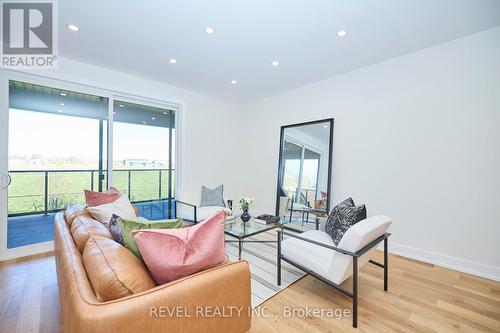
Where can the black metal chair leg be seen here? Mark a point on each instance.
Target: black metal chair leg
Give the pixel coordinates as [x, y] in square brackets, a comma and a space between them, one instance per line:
[354, 292]
[278, 261]
[386, 266]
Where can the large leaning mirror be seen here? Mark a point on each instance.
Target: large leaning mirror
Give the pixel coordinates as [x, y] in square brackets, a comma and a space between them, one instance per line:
[304, 174]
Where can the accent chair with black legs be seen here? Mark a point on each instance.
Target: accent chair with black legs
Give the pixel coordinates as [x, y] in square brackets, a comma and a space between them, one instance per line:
[189, 207]
[315, 253]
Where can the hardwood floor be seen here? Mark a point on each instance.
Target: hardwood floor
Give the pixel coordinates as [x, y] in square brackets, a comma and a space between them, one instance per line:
[29, 300]
[421, 298]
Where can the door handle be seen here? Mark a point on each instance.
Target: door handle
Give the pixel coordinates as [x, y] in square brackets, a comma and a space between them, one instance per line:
[10, 181]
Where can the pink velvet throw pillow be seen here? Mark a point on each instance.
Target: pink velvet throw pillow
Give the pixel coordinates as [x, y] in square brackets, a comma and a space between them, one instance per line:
[171, 254]
[93, 199]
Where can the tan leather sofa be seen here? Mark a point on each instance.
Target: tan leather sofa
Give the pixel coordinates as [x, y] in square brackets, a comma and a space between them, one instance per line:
[216, 300]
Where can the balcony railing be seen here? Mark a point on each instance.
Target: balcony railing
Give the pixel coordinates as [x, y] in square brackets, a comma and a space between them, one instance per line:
[307, 195]
[47, 191]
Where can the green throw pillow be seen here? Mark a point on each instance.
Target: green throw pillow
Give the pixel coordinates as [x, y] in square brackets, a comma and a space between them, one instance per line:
[128, 226]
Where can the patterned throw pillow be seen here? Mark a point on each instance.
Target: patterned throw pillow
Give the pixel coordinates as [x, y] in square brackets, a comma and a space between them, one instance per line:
[342, 217]
[213, 197]
[115, 229]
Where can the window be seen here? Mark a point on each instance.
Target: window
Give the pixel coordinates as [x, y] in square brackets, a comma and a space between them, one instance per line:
[58, 145]
[57, 148]
[144, 157]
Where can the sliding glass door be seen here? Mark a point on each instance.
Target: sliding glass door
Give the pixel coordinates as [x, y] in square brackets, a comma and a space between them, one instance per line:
[144, 157]
[57, 147]
[300, 173]
[55, 141]
[292, 164]
[309, 176]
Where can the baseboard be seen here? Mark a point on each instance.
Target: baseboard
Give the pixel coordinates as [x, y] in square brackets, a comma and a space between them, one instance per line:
[485, 271]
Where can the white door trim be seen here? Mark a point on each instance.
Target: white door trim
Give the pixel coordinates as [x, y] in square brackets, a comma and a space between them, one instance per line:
[4, 146]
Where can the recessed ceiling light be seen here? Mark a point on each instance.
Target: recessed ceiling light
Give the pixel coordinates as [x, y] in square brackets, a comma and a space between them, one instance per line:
[165, 113]
[153, 118]
[120, 105]
[234, 81]
[73, 27]
[325, 126]
[275, 63]
[63, 94]
[341, 33]
[60, 111]
[209, 30]
[172, 61]
[61, 104]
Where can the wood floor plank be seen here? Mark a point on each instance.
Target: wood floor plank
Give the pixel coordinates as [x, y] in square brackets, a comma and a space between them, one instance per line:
[421, 298]
[472, 315]
[262, 262]
[49, 310]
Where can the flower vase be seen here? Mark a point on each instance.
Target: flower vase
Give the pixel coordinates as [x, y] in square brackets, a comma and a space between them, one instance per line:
[245, 217]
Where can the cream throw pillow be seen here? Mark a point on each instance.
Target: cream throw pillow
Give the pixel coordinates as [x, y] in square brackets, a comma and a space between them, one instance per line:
[121, 207]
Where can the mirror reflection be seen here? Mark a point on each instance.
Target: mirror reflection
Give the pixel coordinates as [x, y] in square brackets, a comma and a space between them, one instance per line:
[304, 173]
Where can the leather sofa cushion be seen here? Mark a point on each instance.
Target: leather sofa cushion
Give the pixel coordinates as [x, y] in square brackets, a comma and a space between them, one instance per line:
[73, 211]
[114, 272]
[83, 227]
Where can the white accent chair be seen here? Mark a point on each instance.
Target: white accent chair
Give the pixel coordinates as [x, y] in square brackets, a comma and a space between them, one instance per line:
[315, 253]
[187, 207]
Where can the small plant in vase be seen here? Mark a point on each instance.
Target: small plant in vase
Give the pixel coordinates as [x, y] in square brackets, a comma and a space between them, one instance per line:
[245, 203]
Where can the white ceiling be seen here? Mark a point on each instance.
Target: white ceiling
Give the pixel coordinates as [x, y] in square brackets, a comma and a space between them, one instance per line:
[139, 37]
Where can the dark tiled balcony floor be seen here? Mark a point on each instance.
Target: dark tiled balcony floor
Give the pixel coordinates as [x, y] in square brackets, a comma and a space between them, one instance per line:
[29, 229]
[32, 229]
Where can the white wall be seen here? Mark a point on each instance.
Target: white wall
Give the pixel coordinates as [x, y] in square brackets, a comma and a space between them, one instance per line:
[210, 126]
[417, 138]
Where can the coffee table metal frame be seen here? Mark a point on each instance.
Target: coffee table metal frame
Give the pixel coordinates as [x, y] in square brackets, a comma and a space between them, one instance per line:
[242, 238]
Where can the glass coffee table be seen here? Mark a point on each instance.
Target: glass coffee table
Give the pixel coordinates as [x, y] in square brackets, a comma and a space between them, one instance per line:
[243, 230]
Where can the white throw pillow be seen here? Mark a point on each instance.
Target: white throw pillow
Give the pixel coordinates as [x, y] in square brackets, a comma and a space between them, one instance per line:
[121, 207]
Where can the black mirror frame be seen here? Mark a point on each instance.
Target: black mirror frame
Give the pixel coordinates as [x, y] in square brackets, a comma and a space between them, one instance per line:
[330, 159]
